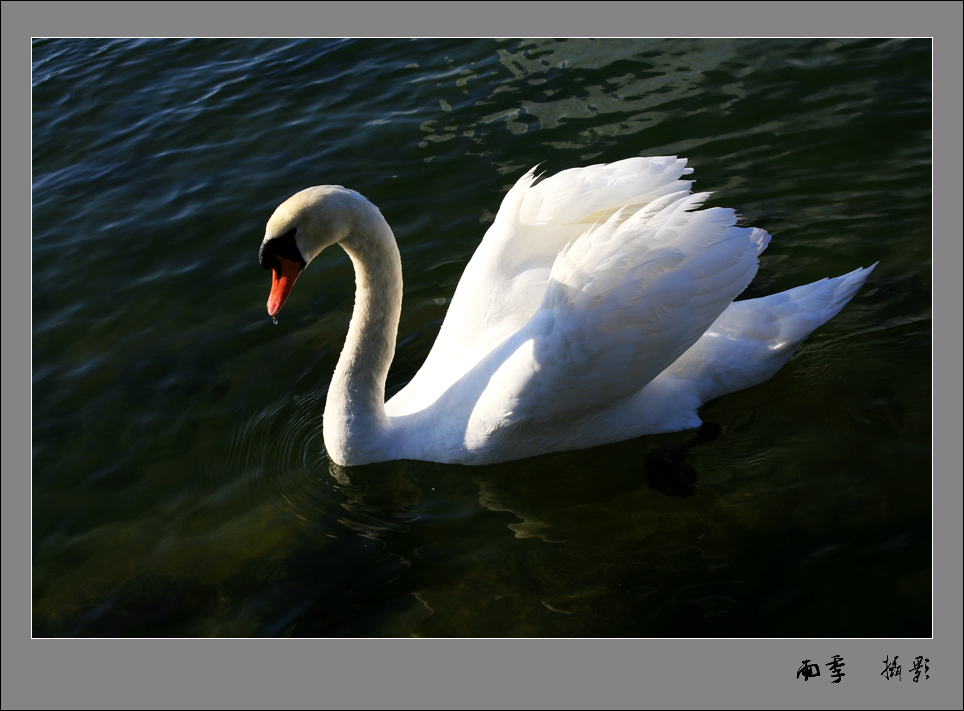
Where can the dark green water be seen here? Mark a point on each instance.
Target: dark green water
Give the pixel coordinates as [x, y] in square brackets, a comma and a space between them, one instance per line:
[180, 485]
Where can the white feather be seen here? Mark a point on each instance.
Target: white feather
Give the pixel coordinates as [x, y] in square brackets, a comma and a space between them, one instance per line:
[598, 307]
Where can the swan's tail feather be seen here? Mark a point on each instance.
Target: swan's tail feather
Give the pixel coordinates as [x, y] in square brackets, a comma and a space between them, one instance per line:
[805, 308]
[754, 338]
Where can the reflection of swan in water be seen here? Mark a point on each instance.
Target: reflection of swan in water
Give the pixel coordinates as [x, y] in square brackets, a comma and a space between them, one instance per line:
[597, 309]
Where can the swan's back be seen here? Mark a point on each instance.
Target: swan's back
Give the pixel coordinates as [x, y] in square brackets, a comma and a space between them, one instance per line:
[505, 282]
[599, 307]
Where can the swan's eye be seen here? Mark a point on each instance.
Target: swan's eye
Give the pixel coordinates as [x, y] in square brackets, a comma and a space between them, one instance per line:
[283, 246]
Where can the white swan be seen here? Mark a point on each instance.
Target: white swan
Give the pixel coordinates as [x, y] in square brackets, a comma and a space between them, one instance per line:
[596, 309]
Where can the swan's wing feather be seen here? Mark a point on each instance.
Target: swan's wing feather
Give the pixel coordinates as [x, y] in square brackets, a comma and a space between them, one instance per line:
[624, 301]
[505, 282]
[506, 278]
[593, 193]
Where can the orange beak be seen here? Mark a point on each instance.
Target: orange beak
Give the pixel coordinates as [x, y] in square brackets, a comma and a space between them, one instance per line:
[283, 277]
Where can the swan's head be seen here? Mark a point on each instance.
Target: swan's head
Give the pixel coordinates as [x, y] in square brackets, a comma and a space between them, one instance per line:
[301, 227]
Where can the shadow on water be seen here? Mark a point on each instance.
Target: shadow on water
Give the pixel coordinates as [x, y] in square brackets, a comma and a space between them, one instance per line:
[575, 544]
[596, 551]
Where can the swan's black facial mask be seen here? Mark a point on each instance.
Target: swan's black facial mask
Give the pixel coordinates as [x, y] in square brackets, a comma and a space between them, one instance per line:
[283, 246]
[282, 256]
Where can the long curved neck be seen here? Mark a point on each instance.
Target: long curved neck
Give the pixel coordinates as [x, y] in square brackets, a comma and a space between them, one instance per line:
[355, 421]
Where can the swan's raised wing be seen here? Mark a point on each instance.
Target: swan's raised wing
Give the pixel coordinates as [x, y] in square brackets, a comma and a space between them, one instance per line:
[505, 282]
[624, 301]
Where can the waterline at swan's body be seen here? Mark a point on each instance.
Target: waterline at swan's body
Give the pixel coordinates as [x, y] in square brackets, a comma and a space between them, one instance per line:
[598, 307]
